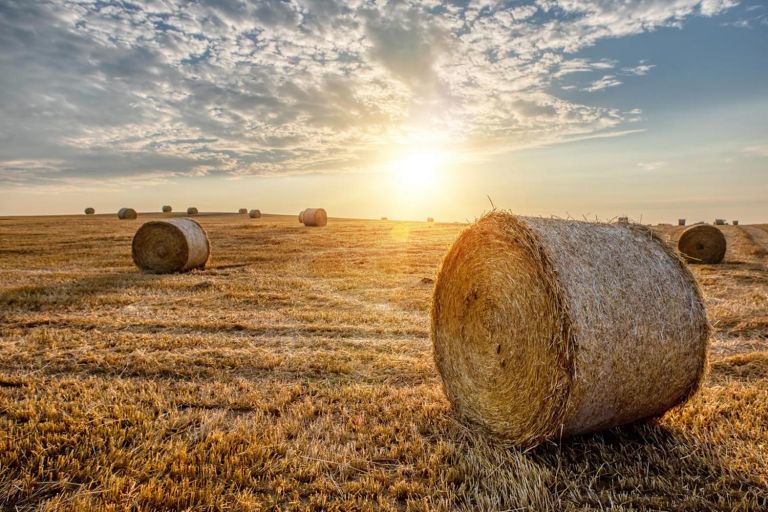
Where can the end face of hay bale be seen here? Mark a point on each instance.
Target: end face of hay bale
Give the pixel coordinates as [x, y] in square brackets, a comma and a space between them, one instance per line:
[174, 245]
[255, 214]
[192, 210]
[242, 211]
[126, 214]
[534, 326]
[702, 243]
[301, 216]
[314, 217]
[167, 209]
[89, 211]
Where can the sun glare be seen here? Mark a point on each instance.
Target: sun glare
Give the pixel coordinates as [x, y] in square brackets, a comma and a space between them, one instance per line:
[417, 171]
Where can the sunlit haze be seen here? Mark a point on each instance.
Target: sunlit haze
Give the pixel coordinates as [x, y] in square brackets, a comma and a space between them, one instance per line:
[652, 109]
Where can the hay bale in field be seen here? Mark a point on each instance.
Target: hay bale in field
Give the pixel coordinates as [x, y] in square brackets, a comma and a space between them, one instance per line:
[735, 222]
[192, 210]
[384, 218]
[242, 210]
[314, 217]
[173, 245]
[254, 214]
[623, 220]
[89, 211]
[430, 219]
[681, 222]
[126, 214]
[702, 243]
[301, 216]
[545, 328]
[719, 222]
[167, 209]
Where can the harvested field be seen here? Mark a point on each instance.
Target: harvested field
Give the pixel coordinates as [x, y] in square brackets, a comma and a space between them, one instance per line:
[296, 373]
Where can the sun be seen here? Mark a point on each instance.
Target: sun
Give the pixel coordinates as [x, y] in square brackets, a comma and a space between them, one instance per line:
[417, 171]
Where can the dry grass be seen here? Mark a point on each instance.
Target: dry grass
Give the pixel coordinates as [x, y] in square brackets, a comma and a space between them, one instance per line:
[296, 374]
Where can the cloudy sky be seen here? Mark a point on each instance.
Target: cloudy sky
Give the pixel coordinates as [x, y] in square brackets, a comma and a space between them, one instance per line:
[649, 108]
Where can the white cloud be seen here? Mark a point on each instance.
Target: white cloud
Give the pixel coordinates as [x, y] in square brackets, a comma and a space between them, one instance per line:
[605, 82]
[760, 150]
[652, 166]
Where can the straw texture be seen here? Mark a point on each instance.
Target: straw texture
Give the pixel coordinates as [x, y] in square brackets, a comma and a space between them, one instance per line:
[314, 217]
[167, 209]
[89, 211]
[255, 214]
[243, 210]
[173, 245]
[192, 210]
[545, 328]
[702, 243]
[126, 214]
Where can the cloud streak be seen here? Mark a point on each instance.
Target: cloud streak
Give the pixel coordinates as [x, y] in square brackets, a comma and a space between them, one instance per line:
[95, 90]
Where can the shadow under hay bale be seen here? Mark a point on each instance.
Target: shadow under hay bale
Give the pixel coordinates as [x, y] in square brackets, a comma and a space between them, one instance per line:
[126, 214]
[702, 243]
[545, 328]
[89, 211]
[255, 214]
[174, 245]
[316, 217]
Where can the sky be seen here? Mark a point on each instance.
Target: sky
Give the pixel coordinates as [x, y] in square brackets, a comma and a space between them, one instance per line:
[653, 109]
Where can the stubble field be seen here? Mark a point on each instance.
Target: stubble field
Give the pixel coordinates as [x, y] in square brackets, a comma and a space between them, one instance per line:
[296, 373]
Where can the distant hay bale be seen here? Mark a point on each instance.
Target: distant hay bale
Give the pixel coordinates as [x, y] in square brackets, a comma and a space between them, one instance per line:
[89, 211]
[719, 222]
[545, 328]
[623, 220]
[702, 243]
[681, 222]
[254, 214]
[167, 209]
[314, 217]
[735, 223]
[301, 216]
[242, 210]
[430, 219]
[173, 245]
[192, 210]
[126, 214]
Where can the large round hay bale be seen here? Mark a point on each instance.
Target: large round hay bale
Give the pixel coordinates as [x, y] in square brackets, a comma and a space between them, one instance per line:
[191, 210]
[314, 217]
[173, 245]
[545, 328]
[126, 214]
[301, 216]
[242, 210]
[89, 211]
[167, 209]
[702, 243]
[254, 214]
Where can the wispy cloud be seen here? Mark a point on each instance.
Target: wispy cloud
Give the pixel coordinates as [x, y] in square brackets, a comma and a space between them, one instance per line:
[652, 166]
[95, 90]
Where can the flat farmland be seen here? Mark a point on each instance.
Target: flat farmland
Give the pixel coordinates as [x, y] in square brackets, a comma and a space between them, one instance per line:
[296, 373]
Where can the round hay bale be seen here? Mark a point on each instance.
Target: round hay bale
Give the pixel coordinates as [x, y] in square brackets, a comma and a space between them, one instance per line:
[314, 217]
[702, 243]
[191, 210]
[384, 218]
[89, 211]
[623, 220]
[242, 210]
[254, 214]
[681, 222]
[735, 223]
[430, 219]
[301, 216]
[545, 328]
[126, 214]
[167, 209]
[173, 245]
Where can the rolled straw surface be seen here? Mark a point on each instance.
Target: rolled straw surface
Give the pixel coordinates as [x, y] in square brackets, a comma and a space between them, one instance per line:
[255, 214]
[702, 243]
[173, 245]
[126, 213]
[545, 328]
[314, 217]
